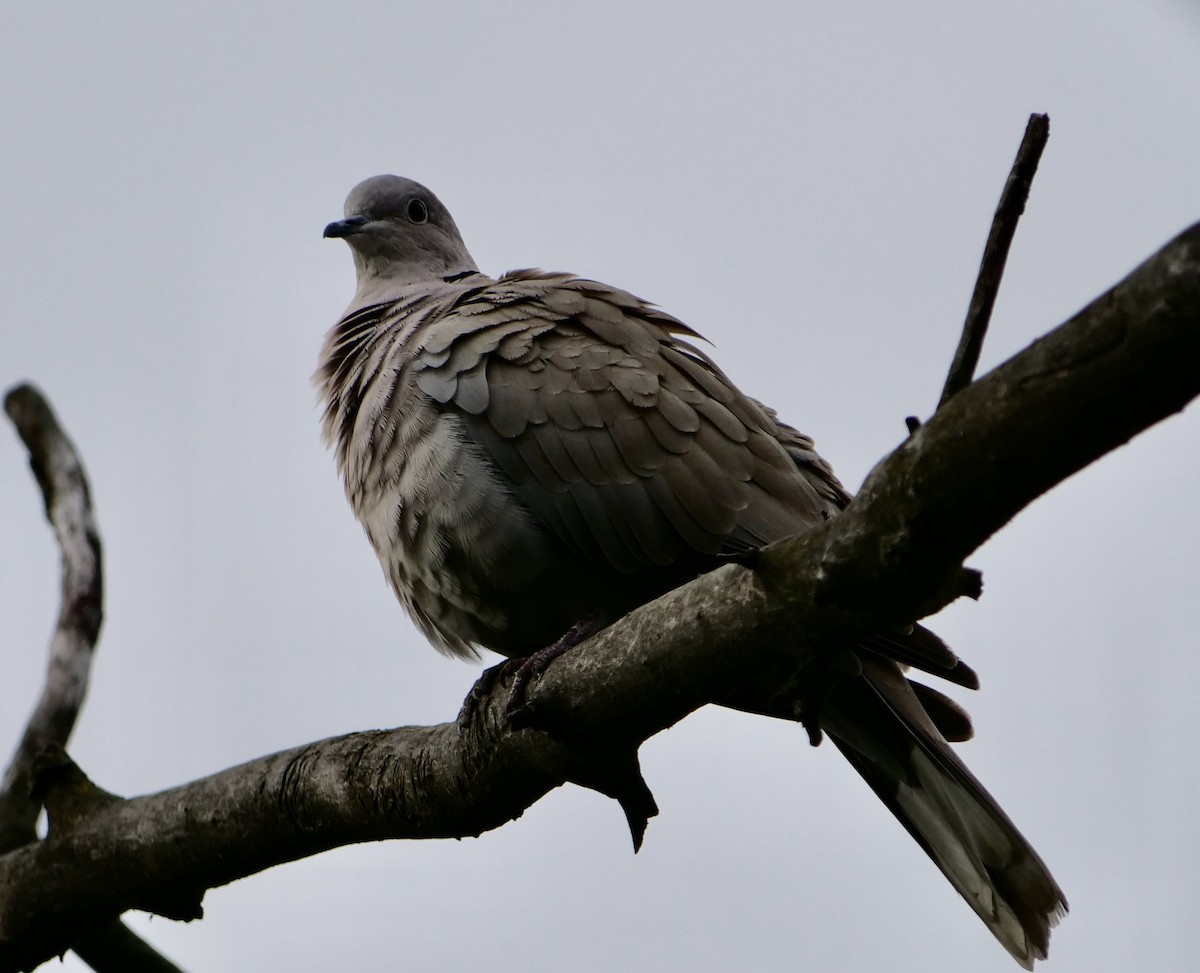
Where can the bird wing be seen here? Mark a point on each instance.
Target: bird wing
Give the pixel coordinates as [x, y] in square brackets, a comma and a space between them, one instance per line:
[612, 429]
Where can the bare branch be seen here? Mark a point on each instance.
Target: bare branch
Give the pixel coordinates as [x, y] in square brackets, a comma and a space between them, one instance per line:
[68, 502]
[1119, 366]
[117, 949]
[995, 255]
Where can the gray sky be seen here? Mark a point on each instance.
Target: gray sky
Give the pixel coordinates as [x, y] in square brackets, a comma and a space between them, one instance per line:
[809, 185]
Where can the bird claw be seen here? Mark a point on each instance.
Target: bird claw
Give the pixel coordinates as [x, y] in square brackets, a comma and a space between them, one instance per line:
[487, 683]
[533, 665]
[523, 671]
[529, 669]
[617, 776]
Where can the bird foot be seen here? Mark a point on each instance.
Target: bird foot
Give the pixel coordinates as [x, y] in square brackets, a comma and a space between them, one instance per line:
[522, 671]
[817, 687]
[532, 666]
[487, 683]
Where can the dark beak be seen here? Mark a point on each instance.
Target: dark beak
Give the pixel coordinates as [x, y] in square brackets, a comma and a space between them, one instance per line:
[347, 227]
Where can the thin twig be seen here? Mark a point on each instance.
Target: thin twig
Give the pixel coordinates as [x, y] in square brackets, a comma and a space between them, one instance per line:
[995, 254]
[67, 497]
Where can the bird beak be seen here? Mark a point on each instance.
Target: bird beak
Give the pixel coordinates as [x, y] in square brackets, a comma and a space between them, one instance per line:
[347, 227]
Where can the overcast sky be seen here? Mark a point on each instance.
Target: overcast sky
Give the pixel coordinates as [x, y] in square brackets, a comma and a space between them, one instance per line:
[809, 185]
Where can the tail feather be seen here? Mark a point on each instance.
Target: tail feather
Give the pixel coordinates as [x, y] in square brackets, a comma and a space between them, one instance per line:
[879, 724]
[917, 646]
[952, 721]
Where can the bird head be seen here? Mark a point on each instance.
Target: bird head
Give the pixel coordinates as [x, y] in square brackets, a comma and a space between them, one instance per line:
[400, 233]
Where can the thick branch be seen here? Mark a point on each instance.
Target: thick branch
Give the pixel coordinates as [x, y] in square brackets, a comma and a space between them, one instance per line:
[1124, 363]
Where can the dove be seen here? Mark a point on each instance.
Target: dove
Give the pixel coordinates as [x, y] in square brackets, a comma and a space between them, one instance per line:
[536, 454]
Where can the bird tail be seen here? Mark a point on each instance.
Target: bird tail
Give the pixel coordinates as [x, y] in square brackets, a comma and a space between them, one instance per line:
[882, 727]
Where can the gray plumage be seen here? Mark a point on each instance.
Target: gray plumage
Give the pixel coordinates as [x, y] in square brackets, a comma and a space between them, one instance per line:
[528, 451]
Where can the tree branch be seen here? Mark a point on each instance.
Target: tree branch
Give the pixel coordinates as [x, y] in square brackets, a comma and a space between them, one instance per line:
[995, 255]
[1122, 364]
[68, 501]
[118, 949]
[67, 498]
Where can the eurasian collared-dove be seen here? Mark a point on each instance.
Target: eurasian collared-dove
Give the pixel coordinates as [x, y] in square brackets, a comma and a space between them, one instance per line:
[534, 450]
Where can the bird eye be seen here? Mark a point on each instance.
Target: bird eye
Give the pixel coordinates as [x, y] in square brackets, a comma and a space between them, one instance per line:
[417, 211]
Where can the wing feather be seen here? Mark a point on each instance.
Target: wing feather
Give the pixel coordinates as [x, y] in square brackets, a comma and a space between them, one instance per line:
[627, 442]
